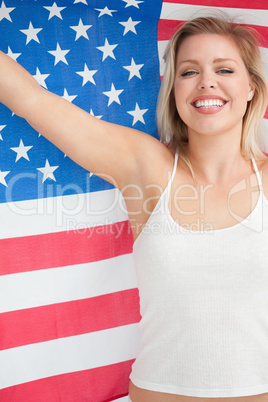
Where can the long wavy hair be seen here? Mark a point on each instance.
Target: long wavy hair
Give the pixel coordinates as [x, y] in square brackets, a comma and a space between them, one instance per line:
[172, 129]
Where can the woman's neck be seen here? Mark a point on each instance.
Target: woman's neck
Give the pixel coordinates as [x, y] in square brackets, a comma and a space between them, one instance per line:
[216, 159]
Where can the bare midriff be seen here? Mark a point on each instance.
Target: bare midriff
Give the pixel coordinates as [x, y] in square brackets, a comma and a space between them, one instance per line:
[142, 395]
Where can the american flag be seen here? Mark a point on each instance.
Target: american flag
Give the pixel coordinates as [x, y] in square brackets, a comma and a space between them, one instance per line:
[69, 307]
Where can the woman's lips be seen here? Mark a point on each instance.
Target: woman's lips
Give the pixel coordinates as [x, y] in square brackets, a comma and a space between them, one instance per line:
[208, 105]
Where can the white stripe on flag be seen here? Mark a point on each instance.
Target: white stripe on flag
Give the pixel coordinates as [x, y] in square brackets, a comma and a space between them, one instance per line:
[67, 355]
[182, 12]
[50, 215]
[162, 45]
[264, 56]
[58, 285]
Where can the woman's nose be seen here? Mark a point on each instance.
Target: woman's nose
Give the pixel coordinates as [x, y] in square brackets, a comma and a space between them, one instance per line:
[207, 81]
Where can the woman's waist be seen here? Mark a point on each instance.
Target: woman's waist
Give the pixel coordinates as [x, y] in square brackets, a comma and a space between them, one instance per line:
[137, 394]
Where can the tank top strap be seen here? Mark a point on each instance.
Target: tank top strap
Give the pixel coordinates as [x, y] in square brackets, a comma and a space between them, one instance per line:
[174, 171]
[174, 168]
[168, 187]
[257, 174]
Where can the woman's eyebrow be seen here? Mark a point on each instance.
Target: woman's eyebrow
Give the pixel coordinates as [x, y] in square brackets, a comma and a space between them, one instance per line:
[188, 61]
[218, 60]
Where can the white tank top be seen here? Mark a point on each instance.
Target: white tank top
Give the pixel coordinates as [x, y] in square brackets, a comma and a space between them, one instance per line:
[204, 305]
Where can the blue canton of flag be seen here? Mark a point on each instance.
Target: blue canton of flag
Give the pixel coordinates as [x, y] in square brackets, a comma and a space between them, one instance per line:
[101, 57]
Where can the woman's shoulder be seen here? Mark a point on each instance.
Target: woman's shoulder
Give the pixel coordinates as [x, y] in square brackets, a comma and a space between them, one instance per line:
[263, 168]
[263, 165]
[154, 162]
[155, 153]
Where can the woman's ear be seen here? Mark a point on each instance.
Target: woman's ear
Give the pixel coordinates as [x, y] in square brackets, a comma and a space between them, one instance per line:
[251, 91]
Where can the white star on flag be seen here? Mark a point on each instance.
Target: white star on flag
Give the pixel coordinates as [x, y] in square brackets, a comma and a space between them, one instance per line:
[92, 114]
[40, 78]
[134, 69]
[4, 13]
[13, 56]
[2, 177]
[68, 97]
[59, 54]
[21, 151]
[113, 95]
[129, 26]
[137, 114]
[107, 50]
[87, 75]
[80, 1]
[31, 33]
[54, 11]
[48, 171]
[104, 11]
[81, 30]
[1, 128]
[133, 3]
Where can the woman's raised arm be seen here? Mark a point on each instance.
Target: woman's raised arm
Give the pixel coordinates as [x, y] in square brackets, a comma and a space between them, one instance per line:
[106, 149]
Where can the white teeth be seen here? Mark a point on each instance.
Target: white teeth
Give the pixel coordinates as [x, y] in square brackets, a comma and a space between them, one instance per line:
[207, 103]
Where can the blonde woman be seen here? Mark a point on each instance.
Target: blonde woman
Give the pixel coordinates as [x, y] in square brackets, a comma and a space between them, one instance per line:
[198, 210]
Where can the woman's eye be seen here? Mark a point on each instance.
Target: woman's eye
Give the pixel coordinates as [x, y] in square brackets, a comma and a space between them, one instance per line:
[225, 71]
[188, 73]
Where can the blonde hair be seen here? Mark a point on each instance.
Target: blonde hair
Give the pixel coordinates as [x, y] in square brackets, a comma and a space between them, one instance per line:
[171, 127]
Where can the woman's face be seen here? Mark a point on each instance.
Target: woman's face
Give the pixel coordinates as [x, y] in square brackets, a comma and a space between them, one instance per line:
[212, 86]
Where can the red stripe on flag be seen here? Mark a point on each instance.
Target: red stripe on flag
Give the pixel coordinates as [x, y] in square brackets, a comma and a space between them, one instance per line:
[69, 318]
[51, 250]
[263, 34]
[166, 28]
[257, 5]
[103, 384]
[266, 114]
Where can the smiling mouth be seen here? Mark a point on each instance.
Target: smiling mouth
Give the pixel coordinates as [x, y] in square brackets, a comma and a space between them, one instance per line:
[208, 103]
